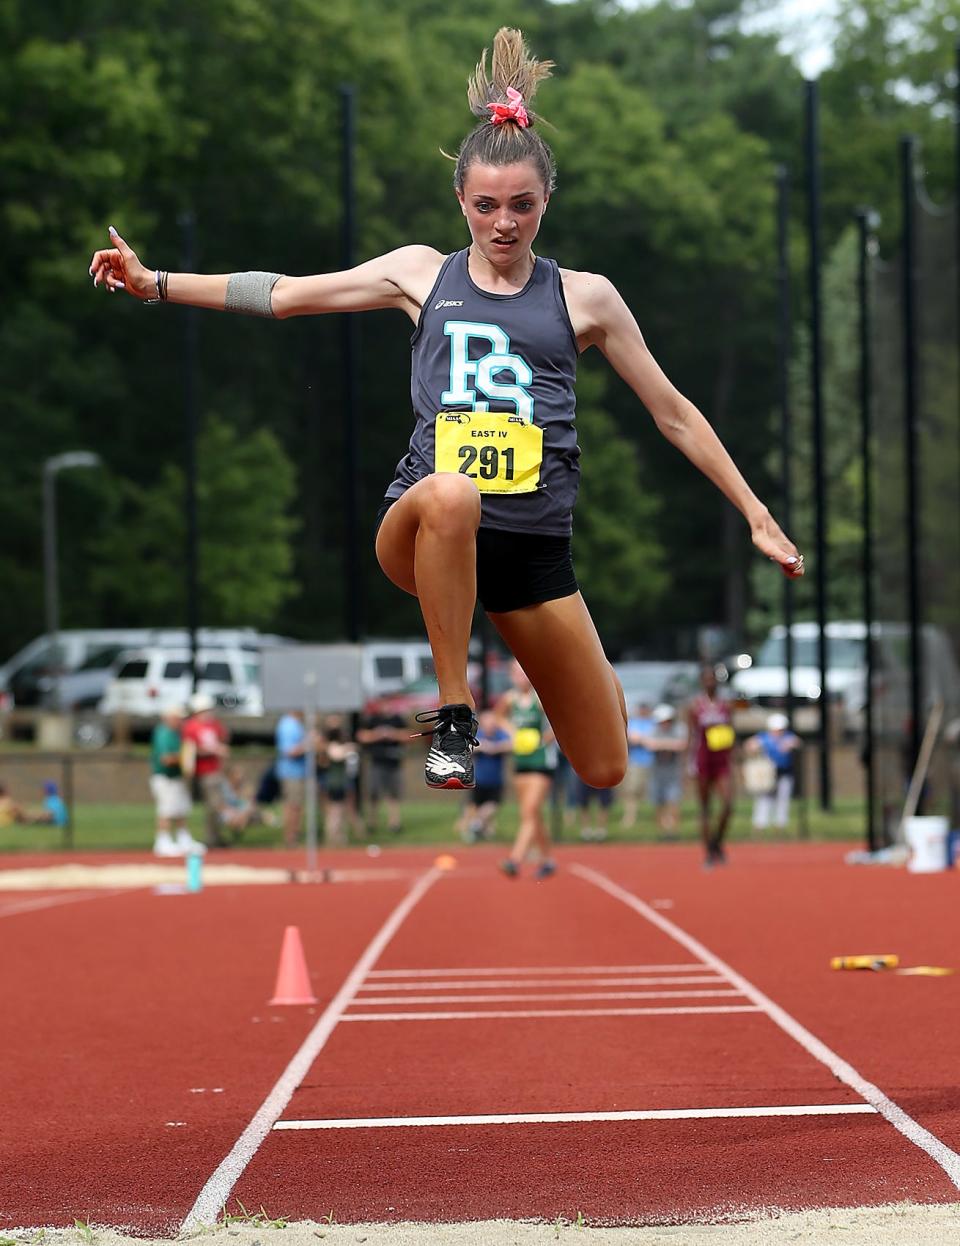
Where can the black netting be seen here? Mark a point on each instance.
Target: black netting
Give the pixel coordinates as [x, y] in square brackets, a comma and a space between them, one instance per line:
[890, 603]
[939, 479]
[938, 511]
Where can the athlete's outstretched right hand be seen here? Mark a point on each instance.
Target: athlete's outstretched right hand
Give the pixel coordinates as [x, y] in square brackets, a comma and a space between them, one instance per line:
[119, 269]
[771, 540]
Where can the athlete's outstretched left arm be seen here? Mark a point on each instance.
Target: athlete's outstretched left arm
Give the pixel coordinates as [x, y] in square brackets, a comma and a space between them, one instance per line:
[609, 325]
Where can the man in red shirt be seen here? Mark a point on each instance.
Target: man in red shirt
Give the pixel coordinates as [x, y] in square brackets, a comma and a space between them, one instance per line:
[205, 749]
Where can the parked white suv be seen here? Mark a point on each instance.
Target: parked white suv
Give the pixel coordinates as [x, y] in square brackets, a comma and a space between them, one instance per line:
[30, 676]
[148, 680]
[764, 682]
[37, 673]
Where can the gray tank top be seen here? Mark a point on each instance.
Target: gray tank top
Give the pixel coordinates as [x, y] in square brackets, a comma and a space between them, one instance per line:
[530, 350]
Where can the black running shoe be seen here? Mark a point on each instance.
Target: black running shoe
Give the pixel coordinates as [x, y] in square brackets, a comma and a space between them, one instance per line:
[450, 759]
[716, 853]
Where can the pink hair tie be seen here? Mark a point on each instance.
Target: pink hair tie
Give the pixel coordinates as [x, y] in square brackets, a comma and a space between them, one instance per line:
[514, 111]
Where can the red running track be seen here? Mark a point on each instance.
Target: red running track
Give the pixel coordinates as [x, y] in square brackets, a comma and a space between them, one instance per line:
[139, 1046]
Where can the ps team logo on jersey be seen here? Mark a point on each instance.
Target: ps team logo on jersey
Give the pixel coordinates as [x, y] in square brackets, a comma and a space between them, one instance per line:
[475, 382]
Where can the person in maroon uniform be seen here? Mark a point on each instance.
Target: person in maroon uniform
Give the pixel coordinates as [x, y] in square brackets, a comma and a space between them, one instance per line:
[712, 738]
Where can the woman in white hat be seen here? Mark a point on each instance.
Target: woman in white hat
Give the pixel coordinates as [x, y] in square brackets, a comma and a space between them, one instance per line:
[774, 787]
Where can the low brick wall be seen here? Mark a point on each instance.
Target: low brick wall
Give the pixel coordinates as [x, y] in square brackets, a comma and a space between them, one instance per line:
[101, 777]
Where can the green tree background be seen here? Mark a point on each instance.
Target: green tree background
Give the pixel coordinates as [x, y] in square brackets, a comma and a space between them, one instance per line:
[668, 124]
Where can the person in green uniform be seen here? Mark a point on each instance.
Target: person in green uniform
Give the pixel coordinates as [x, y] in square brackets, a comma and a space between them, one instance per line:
[534, 760]
[169, 789]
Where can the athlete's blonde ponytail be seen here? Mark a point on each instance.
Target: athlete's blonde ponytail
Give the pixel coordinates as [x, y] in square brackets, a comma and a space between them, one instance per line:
[502, 98]
[511, 66]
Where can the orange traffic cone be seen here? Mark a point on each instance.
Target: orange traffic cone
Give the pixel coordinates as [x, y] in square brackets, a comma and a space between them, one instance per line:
[293, 980]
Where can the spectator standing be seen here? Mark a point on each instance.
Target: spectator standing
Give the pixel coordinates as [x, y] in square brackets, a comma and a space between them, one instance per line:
[205, 749]
[293, 744]
[383, 736]
[639, 764]
[667, 745]
[170, 793]
[777, 745]
[582, 798]
[342, 765]
[494, 742]
[712, 737]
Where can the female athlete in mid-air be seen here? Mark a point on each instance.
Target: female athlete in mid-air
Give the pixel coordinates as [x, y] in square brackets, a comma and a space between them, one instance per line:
[482, 502]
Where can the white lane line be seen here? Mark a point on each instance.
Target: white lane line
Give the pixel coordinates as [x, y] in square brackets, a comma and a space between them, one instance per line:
[213, 1197]
[14, 907]
[553, 1118]
[547, 1012]
[490, 984]
[571, 969]
[938, 1151]
[579, 996]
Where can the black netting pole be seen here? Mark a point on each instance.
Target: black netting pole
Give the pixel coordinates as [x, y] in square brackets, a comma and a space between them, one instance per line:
[865, 219]
[910, 431]
[353, 611]
[786, 421]
[956, 186]
[191, 338]
[816, 399]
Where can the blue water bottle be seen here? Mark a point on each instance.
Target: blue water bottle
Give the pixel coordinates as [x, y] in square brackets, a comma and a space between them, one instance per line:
[194, 871]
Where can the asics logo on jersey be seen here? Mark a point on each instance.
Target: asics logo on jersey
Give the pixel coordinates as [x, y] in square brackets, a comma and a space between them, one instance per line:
[443, 765]
[448, 303]
[474, 381]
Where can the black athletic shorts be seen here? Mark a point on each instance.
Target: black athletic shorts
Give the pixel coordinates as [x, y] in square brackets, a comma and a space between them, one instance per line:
[516, 569]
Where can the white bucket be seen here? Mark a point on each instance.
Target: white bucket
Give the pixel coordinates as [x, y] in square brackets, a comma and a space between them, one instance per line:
[927, 837]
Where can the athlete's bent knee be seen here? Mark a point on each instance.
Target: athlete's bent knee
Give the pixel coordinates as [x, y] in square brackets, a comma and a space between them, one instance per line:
[448, 497]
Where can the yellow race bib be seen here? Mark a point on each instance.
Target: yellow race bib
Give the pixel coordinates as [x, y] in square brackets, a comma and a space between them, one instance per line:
[720, 737]
[500, 453]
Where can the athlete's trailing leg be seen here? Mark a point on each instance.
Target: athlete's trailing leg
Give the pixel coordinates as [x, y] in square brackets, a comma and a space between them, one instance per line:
[557, 645]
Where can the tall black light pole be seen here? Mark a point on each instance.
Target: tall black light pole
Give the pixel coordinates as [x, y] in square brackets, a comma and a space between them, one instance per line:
[866, 223]
[353, 592]
[911, 409]
[51, 567]
[786, 420]
[956, 182]
[191, 414]
[812, 114]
